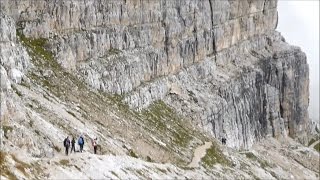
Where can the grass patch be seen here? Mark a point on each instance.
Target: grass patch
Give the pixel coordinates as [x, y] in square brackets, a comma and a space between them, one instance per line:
[213, 156]
[114, 51]
[36, 45]
[4, 169]
[64, 162]
[311, 142]
[165, 120]
[263, 163]
[317, 147]
[251, 156]
[43, 60]
[161, 120]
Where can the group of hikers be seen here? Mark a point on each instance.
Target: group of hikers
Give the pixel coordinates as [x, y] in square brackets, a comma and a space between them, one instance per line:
[67, 144]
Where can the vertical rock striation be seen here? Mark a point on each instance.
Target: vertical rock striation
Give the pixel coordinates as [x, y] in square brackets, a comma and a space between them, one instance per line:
[219, 63]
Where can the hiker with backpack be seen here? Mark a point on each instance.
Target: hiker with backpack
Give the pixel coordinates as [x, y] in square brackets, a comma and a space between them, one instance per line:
[95, 144]
[73, 141]
[66, 144]
[81, 142]
[224, 140]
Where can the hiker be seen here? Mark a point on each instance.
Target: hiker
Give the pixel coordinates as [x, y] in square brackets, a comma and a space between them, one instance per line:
[66, 144]
[94, 144]
[73, 141]
[81, 142]
[224, 141]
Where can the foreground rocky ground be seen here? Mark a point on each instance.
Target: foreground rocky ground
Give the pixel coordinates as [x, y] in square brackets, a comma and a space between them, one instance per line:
[270, 159]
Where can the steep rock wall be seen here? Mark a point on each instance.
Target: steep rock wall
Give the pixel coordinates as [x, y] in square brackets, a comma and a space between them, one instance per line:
[218, 62]
[178, 32]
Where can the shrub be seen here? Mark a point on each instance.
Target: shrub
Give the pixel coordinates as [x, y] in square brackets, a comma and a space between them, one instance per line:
[64, 162]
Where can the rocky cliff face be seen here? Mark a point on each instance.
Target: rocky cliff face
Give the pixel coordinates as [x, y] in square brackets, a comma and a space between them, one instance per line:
[218, 66]
[218, 62]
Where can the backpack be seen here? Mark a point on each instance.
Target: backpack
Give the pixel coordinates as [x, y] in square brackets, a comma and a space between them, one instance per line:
[66, 142]
[80, 141]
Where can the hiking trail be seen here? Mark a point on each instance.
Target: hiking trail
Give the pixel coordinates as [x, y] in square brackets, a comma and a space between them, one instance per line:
[199, 153]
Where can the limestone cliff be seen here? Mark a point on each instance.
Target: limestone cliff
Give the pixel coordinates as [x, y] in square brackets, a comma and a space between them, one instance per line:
[235, 73]
[176, 69]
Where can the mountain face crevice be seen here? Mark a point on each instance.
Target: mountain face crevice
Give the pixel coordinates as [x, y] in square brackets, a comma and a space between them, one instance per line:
[219, 63]
[212, 25]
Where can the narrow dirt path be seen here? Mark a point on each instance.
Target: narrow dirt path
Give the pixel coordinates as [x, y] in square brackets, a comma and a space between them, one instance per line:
[199, 153]
[313, 144]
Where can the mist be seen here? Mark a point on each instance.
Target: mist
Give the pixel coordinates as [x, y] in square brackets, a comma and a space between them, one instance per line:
[299, 24]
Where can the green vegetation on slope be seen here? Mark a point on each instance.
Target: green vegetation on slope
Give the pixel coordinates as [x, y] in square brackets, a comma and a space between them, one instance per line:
[159, 119]
[311, 142]
[43, 60]
[251, 156]
[165, 120]
[64, 162]
[262, 162]
[213, 156]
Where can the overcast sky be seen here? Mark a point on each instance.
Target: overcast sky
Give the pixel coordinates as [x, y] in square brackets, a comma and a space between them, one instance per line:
[299, 24]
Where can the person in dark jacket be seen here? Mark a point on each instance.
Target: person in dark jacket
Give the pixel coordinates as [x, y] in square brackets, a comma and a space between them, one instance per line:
[66, 144]
[81, 142]
[73, 142]
[224, 140]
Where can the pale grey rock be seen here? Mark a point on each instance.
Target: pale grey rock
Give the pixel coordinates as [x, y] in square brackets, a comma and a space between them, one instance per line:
[5, 82]
[242, 100]
[14, 58]
[219, 63]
